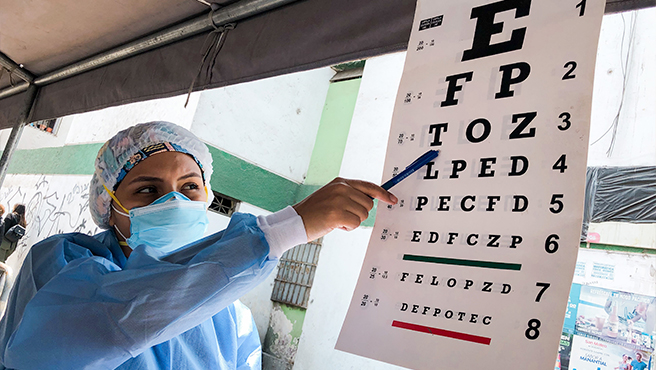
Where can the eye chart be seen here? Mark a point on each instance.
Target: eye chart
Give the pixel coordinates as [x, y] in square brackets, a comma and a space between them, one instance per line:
[472, 268]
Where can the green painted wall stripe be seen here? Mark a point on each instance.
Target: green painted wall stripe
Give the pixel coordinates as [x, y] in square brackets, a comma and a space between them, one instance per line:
[64, 160]
[296, 316]
[247, 182]
[334, 127]
[328, 152]
[618, 248]
[232, 176]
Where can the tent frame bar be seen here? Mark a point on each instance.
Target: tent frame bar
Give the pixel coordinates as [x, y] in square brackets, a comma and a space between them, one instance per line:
[230, 13]
[16, 69]
[17, 131]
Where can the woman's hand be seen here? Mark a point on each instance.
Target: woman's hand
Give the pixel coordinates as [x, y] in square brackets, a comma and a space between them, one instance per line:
[340, 204]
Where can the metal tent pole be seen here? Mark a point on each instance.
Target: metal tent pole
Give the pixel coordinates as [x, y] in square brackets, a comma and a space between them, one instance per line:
[16, 69]
[230, 13]
[17, 131]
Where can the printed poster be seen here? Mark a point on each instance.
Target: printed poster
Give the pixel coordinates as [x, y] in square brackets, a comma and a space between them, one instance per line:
[621, 318]
[472, 268]
[591, 354]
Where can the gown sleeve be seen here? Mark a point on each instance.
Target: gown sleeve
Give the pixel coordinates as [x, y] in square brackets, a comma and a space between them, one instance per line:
[73, 308]
[249, 353]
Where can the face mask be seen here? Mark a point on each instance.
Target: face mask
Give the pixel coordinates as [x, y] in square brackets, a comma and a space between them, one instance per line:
[167, 224]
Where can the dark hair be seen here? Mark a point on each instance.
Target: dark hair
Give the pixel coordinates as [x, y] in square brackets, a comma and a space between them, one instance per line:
[19, 209]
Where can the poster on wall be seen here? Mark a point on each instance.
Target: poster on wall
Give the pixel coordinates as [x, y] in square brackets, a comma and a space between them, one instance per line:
[476, 259]
[629, 272]
[592, 354]
[610, 327]
[621, 318]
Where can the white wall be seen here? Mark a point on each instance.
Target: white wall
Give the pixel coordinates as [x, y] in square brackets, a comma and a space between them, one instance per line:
[342, 253]
[366, 145]
[55, 204]
[271, 122]
[98, 126]
[623, 234]
[627, 41]
[636, 131]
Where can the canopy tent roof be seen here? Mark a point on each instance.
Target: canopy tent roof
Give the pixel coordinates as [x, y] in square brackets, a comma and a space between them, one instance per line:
[286, 36]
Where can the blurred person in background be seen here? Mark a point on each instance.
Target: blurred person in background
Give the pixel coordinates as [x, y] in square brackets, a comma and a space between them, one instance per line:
[14, 229]
[2, 221]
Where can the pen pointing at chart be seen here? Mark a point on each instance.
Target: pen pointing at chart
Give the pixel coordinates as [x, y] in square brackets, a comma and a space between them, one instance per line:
[412, 168]
[344, 204]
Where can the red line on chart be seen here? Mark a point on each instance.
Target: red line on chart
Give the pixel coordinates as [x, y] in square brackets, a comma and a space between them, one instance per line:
[442, 332]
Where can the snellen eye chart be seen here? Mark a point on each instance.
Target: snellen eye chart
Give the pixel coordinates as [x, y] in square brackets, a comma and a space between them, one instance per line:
[472, 268]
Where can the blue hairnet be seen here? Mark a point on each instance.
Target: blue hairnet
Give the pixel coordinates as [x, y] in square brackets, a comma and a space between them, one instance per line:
[132, 145]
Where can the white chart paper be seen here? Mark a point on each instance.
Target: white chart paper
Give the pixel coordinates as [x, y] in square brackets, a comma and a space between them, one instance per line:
[472, 268]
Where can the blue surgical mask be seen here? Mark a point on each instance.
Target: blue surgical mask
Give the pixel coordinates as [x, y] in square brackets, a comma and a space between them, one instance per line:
[167, 224]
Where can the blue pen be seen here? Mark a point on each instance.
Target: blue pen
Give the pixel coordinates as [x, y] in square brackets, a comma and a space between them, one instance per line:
[412, 168]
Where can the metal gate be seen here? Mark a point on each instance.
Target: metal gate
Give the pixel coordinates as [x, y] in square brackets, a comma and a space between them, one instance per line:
[296, 274]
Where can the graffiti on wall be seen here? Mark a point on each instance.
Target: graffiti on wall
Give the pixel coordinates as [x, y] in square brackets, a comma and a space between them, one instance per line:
[55, 204]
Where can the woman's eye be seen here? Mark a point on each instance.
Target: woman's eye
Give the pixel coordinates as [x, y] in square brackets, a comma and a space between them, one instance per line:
[191, 186]
[147, 190]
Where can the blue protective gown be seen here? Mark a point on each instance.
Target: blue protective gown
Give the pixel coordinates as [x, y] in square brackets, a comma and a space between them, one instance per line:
[79, 303]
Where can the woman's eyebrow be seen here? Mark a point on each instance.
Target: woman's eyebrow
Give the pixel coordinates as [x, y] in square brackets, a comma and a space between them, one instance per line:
[146, 179]
[190, 174]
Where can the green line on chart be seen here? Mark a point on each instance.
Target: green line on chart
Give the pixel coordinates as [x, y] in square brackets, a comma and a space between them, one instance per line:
[459, 262]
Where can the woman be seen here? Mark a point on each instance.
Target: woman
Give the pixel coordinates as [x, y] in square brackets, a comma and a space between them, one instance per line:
[624, 364]
[149, 293]
[9, 242]
[16, 217]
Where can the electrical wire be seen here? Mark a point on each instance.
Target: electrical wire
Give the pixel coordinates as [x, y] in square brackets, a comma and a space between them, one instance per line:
[625, 73]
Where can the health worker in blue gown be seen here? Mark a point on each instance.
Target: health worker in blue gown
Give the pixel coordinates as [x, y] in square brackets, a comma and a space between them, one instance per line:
[150, 292]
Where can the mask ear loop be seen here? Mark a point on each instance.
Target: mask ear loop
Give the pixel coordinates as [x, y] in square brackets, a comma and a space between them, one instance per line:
[111, 194]
[121, 243]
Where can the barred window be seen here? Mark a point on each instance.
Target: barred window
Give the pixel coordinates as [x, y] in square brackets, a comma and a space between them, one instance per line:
[49, 125]
[224, 204]
[296, 274]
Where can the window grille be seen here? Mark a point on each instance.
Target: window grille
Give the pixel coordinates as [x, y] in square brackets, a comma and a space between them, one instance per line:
[224, 204]
[49, 125]
[296, 274]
